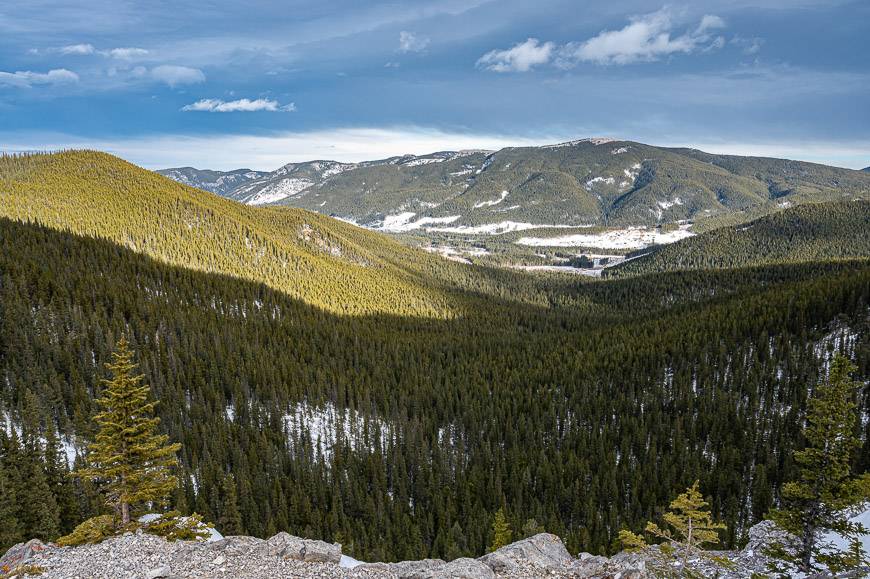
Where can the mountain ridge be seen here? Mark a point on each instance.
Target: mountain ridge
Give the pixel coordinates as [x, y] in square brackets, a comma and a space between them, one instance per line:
[601, 182]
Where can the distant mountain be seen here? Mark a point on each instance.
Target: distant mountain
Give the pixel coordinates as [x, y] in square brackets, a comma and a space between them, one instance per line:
[221, 182]
[866, 169]
[579, 183]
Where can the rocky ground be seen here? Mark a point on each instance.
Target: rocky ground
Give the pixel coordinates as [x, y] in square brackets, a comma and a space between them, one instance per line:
[142, 556]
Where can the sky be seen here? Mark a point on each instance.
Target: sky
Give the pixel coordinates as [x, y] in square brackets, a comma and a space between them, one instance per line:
[225, 84]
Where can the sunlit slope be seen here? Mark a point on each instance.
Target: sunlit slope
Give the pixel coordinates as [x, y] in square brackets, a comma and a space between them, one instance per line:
[314, 258]
[813, 232]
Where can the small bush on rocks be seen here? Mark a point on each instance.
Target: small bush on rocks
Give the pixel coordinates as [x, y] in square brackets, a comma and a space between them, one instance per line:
[93, 530]
[24, 571]
[172, 526]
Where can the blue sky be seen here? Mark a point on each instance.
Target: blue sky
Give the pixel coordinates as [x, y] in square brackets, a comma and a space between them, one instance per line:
[226, 84]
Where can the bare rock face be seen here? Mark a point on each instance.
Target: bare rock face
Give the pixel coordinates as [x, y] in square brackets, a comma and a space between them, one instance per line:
[20, 554]
[543, 550]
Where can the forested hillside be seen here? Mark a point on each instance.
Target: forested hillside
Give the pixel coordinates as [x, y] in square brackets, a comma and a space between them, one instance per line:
[322, 261]
[434, 425]
[398, 434]
[809, 233]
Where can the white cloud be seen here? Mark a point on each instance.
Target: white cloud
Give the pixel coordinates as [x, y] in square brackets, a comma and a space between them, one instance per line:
[748, 45]
[240, 105]
[521, 57]
[78, 49]
[125, 53]
[174, 75]
[267, 152]
[410, 42]
[646, 38]
[27, 78]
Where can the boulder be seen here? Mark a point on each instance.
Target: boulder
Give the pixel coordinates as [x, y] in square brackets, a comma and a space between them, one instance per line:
[287, 546]
[159, 572]
[20, 554]
[764, 535]
[237, 545]
[544, 551]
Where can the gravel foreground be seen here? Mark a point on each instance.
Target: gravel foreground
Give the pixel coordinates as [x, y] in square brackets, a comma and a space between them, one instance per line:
[142, 556]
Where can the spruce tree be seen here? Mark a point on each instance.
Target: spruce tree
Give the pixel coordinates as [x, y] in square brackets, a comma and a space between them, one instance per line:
[10, 528]
[231, 518]
[129, 459]
[819, 501]
[501, 531]
[60, 482]
[39, 514]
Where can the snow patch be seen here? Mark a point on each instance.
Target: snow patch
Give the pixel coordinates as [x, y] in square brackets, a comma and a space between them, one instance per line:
[630, 238]
[280, 190]
[668, 204]
[619, 151]
[501, 227]
[349, 562]
[606, 180]
[593, 140]
[504, 194]
[327, 425]
[402, 222]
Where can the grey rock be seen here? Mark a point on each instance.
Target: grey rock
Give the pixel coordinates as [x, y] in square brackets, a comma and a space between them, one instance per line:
[463, 568]
[404, 569]
[286, 546]
[543, 550]
[21, 553]
[159, 572]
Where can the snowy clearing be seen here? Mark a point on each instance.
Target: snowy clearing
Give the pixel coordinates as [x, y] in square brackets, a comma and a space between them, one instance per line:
[402, 222]
[631, 238]
[501, 227]
[278, 191]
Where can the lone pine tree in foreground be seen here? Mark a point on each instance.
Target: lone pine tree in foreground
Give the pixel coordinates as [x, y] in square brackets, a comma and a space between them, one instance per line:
[819, 501]
[690, 527]
[128, 459]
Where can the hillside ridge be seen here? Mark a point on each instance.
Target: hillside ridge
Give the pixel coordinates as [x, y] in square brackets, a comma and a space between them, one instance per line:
[577, 183]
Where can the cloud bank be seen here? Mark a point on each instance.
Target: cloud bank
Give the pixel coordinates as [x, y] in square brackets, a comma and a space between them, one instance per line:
[240, 105]
[521, 57]
[645, 38]
[28, 79]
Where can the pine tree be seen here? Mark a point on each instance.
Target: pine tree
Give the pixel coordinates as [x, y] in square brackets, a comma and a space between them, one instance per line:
[532, 527]
[129, 459]
[10, 528]
[231, 518]
[60, 482]
[819, 500]
[690, 527]
[501, 531]
[39, 514]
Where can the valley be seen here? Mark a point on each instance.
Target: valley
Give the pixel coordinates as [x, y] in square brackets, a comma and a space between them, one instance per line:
[431, 386]
[590, 196]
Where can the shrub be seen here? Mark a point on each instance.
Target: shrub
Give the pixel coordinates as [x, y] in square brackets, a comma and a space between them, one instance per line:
[93, 530]
[172, 526]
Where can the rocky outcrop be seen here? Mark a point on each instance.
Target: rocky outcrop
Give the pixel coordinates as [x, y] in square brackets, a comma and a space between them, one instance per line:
[543, 550]
[287, 546]
[143, 556]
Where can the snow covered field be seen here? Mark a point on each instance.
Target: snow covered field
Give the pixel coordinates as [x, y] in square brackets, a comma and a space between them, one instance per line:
[630, 238]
